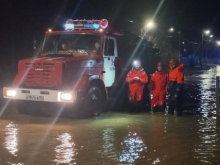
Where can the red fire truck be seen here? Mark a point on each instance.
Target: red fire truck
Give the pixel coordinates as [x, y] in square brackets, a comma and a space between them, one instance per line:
[73, 72]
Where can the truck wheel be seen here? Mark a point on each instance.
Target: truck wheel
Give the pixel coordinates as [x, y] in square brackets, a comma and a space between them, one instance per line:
[93, 102]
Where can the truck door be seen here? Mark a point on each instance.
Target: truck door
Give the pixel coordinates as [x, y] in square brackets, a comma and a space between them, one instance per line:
[110, 53]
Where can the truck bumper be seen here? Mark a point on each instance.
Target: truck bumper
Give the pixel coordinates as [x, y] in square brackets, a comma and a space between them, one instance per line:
[44, 107]
[40, 95]
[47, 108]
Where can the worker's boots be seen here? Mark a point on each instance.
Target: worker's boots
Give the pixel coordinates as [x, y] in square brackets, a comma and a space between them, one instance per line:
[133, 107]
[154, 109]
[179, 111]
[170, 110]
[139, 106]
[161, 109]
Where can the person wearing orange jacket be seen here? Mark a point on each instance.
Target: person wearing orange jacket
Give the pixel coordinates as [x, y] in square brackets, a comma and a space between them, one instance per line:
[175, 88]
[158, 86]
[136, 78]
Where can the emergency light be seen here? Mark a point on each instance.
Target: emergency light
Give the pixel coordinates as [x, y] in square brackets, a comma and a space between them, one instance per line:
[69, 26]
[86, 24]
[91, 26]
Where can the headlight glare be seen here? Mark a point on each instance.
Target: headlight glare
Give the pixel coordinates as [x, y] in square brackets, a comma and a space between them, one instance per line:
[66, 96]
[9, 92]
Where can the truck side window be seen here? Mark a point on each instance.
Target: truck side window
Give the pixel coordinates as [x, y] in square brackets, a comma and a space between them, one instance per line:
[109, 47]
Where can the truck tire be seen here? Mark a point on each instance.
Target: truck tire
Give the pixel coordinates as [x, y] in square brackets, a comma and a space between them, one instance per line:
[93, 102]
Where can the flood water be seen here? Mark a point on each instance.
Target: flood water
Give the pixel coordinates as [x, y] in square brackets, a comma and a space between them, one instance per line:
[119, 138]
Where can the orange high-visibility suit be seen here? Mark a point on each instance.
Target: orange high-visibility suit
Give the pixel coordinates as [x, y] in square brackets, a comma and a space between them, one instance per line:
[175, 89]
[136, 86]
[158, 86]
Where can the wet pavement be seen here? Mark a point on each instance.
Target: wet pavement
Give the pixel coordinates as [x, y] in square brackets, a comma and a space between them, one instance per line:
[119, 138]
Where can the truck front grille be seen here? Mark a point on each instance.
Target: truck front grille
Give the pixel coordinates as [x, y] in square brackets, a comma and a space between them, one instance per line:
[43, 74]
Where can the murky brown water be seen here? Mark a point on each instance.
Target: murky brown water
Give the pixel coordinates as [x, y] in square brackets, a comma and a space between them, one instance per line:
[119, 138]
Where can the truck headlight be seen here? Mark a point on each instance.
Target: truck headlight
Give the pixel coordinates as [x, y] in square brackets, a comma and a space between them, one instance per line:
[9, 92]
[66, 96]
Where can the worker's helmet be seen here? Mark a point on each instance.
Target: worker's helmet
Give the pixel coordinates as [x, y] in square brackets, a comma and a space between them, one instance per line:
[137, 64]
[160, 64]
[172, 62]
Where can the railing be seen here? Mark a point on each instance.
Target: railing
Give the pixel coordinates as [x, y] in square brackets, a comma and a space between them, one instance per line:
[217, 102]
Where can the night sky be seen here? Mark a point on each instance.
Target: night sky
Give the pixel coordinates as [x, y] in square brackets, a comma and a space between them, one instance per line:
[23, 20]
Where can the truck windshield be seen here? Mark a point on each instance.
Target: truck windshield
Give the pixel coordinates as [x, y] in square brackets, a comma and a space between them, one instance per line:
[80, 43]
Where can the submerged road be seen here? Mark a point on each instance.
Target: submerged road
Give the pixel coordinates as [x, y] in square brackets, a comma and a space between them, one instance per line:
[119, 138]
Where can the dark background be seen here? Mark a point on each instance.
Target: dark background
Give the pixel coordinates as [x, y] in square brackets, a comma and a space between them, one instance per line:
[22, 21]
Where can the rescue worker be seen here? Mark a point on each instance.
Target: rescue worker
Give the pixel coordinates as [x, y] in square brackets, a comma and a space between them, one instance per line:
[158, 86]
[64, 46]
[136, 79]
[175, 88]
[96, 48]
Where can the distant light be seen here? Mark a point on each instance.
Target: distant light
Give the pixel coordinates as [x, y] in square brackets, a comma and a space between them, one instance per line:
[69, 26]
[171, 29]
[211, 36]
[207, 31]
[101, 30]
[218, 43]
[183, 42]
[49, 30]
[150, 25]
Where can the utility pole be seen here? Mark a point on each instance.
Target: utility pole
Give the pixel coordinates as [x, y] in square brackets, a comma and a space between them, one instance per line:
[34, 46]
[206, 32]
[179, 34]
[200, 57]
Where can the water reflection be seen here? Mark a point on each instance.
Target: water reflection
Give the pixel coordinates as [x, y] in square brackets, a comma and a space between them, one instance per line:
[132, 146]
[157, 160]
[65, 152]
[11, 141]
[108, 145]
[207, 88]
[205, 149]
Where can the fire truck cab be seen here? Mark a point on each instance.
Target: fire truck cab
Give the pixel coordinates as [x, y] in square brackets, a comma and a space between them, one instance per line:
[73, 71]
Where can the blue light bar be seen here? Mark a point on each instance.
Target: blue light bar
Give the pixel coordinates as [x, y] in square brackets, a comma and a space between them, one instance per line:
[91, 26]
[95, 26]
